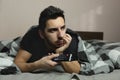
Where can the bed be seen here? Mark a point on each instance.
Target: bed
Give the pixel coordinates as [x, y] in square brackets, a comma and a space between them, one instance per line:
[59, 75]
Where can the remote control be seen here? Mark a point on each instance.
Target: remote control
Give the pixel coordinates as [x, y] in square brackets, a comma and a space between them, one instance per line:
[63, 57]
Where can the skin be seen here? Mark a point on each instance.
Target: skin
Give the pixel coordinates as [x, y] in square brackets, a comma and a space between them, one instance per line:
[56, 39]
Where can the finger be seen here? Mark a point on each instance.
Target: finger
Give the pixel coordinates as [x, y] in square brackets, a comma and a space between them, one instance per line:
[67, 37]
[67, 40]
[53, 56]
[52, 63]
[49, 53]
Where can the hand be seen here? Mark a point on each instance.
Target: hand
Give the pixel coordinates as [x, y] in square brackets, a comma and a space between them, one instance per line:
[67, 38]
[46, 62]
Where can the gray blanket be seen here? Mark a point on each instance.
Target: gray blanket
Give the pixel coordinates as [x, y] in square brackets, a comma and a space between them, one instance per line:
[97, 56]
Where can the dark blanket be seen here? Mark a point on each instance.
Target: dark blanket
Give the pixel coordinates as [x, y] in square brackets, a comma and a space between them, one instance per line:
[97, 57]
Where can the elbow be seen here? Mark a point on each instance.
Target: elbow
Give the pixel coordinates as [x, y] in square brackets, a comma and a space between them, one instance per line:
[73, 71]
[18, 66]
[76, 71]
[71, 67]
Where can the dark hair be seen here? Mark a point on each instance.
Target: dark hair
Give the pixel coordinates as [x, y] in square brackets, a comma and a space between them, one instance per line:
[50, 12]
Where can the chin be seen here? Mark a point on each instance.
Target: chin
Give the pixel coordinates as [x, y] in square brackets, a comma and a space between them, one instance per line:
[58, 46]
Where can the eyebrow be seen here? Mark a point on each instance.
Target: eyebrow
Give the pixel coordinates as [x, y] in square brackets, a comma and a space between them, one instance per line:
[56, 28]
[62, 26]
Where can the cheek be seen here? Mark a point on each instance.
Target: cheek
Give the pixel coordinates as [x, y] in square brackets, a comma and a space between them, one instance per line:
[52, 37]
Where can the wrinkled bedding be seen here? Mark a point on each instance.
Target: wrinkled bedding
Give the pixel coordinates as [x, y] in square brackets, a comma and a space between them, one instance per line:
[8, 51]
[98, 57]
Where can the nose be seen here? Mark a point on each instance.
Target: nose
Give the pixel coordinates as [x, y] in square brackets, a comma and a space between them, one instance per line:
[60, 34]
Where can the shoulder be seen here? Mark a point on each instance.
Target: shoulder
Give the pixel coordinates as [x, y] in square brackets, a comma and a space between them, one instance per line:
[72, 33]
[31, 34]
[74, 36]
[33, 28]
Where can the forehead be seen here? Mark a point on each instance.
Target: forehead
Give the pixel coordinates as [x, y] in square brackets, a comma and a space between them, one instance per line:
[52, 23]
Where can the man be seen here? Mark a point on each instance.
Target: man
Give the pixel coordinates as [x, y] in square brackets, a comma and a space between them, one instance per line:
[41, 44]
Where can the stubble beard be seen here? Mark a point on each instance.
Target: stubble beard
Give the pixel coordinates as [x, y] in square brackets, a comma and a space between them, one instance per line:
[49, 44]
[57, 44]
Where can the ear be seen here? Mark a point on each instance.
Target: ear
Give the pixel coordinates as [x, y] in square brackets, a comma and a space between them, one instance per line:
[41, 33]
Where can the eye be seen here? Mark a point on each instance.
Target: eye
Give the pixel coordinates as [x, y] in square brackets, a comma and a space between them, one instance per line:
[52, 30]
[63, 27]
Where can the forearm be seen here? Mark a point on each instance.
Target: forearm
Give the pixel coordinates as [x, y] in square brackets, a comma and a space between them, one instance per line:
[43, 63]
[26, 67]
[71, 67]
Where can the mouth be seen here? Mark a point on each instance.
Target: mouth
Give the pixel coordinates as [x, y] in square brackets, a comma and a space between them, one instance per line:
[60, 42]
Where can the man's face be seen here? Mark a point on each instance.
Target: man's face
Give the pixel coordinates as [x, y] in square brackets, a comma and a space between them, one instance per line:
[54, 32]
